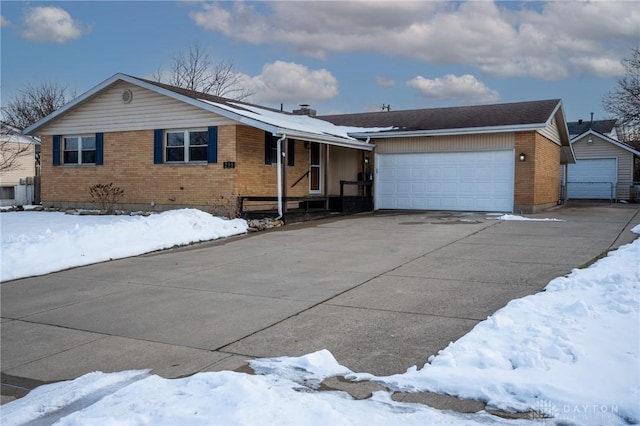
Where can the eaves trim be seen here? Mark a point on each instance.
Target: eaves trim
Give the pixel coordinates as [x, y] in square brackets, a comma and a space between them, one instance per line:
[450, 132]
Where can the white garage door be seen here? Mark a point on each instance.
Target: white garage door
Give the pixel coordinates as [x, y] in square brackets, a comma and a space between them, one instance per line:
[592, 179]
[467, 181]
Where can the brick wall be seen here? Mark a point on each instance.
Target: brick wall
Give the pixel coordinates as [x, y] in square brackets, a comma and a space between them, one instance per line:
[525, 170]
[128, 163]
[537, 179]
[259, 179]
[547, 190]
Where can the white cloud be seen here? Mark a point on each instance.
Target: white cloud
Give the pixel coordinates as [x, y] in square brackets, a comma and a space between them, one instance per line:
[3, 21]
[550, 41]
[51, 24]
[385, 82]
[465, 88]
[290, 82]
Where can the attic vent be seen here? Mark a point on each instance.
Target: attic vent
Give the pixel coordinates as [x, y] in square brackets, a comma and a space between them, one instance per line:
[127, 96]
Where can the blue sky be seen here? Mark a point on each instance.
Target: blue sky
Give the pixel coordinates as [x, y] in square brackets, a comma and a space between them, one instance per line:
[336, 56]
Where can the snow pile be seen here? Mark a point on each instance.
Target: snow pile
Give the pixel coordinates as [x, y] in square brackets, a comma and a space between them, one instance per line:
[59, 396]
[224, 398]
[309, 370]
[571, 352]
[55, 241]
[522, 218]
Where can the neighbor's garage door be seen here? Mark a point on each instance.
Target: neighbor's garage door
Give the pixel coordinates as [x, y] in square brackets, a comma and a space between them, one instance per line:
[592, 179]
[468, 181]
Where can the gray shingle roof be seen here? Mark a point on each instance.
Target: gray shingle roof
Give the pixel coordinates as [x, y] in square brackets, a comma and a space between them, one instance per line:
[600, 126]
[508, 114]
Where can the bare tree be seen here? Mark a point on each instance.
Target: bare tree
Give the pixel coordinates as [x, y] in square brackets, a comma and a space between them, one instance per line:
[624, 102]
[34, 103]
[195, 70]
[12, 148]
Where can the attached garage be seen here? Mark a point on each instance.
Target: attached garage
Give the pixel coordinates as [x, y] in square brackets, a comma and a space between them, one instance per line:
[593, 179]
[467, 181]
[493, 158]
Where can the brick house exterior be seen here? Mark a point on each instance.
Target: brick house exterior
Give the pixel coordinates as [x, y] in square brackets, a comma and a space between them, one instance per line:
[130, 147]
[168, 147]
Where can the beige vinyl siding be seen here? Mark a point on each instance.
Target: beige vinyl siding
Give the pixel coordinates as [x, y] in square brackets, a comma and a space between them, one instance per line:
[343, 165]
[455, 143]
[551, 131]
[106, 112]
[600, 148]
[25, 167]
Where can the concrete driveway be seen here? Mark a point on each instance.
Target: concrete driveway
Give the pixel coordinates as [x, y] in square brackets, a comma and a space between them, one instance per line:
[382, 292]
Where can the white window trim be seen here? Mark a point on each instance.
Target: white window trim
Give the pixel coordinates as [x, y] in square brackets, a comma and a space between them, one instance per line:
[319, 166]
[187, 145]
[79, 150]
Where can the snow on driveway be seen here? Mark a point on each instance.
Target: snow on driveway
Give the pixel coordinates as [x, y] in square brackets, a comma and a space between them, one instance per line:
[569, 355]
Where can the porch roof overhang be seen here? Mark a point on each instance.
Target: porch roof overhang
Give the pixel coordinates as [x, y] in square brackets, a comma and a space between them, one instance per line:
[323, 139]
[301, 127]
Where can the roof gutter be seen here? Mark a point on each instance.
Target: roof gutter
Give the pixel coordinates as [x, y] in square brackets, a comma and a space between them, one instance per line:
[449, 132]
[326, 139]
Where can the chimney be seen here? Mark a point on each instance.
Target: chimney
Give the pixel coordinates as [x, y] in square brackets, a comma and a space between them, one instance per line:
[580, 121]
[305, 110]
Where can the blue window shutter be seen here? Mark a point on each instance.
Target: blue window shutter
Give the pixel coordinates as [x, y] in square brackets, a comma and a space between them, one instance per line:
[157, 146]
[56, 150]
[291, 152]
[99, 149]
[212, 148]
[268, 138]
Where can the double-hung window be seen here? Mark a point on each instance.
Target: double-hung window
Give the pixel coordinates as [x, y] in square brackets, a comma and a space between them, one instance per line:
[185, 146]
[79, 150]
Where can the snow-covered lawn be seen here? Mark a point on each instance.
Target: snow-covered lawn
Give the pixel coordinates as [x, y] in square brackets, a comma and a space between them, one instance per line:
[571, 352]
[36, 243]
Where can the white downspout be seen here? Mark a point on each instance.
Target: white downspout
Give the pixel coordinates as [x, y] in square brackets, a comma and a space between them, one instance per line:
[279, 174]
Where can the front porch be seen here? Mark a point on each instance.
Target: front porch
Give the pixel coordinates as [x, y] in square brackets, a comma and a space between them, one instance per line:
[301, 208]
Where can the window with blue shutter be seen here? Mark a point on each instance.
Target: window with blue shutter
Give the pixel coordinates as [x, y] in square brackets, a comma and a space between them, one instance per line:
[268, 148]
[291, 152]
[99, 149]
[157, 146]
[271, 149]
[182, 146]
[56, 150]
[212, 152]
[78, 149]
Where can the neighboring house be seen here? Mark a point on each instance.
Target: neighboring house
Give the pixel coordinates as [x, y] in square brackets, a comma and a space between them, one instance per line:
[503, 157]
[18, 157]
[604, 127]
[168, 147]
[604, 166]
